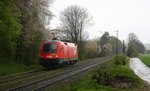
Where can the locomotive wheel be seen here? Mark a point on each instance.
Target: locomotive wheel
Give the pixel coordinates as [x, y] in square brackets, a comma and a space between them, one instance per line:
[49, 68]
[71, 62]
[58, 65]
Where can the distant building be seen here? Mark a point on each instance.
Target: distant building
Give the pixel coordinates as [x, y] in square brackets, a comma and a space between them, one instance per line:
[108, 46]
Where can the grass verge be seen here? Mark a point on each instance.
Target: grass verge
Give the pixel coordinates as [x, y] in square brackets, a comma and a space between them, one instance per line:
[48, 73]
[111, 76]
[14, 68]
[8, 69]
[145, 58]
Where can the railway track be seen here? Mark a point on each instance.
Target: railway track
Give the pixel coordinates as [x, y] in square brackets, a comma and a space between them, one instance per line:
[49, 81]
[10, 78]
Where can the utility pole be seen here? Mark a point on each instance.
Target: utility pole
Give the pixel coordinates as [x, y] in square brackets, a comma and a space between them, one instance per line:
[117, 42]
[124, 48]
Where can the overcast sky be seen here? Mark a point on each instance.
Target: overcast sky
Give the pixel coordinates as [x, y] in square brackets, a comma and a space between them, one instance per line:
[126, 16]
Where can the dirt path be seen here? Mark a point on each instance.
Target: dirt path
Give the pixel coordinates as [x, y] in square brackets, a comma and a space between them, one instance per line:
[140, 69]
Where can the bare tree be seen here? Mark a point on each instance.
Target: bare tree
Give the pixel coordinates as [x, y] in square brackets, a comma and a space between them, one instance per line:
[132, 37]
[74, 20]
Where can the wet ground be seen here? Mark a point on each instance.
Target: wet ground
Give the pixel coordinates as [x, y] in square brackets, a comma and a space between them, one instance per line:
[141, 70]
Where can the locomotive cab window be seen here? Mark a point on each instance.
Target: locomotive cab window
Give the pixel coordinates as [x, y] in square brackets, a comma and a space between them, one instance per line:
[50, 48]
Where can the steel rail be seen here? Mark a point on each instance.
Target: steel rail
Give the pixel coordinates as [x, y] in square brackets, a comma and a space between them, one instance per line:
[10, 78]
[49, 81]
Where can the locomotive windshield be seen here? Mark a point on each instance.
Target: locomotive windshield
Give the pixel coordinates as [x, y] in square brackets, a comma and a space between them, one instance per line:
[50, 48]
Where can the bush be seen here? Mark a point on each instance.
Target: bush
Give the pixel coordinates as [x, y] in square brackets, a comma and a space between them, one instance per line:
[117, 76]
[104, 52]
[101, 76]
[120, 60]
[111, 77]
[86, 53]
[132, 52]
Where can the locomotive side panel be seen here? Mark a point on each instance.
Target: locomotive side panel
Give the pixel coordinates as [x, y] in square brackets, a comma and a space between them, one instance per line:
[68, 51]
[73, 53]
[65, 49]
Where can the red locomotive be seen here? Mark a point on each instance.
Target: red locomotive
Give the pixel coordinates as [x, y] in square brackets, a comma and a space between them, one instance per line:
[55, 53]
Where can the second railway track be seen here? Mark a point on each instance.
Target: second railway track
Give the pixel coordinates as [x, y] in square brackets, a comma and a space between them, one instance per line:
[49, 81]
[7, 79]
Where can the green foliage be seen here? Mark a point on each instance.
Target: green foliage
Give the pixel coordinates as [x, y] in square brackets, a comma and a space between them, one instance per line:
[104, 52]
[82, 53]
[140, 47]
[34, 15]
[115, 75]
[90, 53]
[110, 77]
[145, 58]
[131, 51]
[86, 53]
[9, 30]
[120, 60]
[28, 50]
[104, 38]
[22, 29]
[101, 76]
[90, 85]
[117, 45]
[135, 46]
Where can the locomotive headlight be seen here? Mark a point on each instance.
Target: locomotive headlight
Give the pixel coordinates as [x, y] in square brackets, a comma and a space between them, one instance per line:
[49, 56]
[57, 56]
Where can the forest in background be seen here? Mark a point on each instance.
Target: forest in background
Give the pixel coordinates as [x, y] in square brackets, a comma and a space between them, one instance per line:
[22, 29]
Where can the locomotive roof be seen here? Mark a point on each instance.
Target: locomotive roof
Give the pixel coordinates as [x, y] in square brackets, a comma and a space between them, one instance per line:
[67, 41]
[59, 41]
[56, 41]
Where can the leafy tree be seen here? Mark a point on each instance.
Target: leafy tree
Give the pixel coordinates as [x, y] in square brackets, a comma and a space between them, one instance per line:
[34, 17]
[115, 42]
[104, 39]
[131, 51]
[134, 46]
[141, 48]
[9, 30]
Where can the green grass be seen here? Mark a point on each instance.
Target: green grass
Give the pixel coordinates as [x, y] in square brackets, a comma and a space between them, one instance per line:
[13, 68]
[110, 77]
[145, 58]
